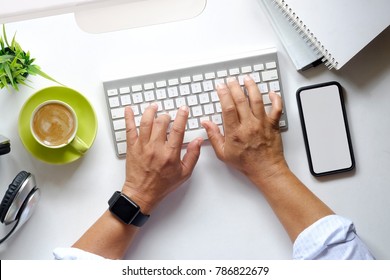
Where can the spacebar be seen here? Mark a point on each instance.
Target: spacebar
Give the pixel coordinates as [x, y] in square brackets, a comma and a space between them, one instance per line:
[192, 134]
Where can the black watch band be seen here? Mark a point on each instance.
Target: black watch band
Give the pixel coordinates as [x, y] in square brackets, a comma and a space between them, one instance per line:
[126, 210]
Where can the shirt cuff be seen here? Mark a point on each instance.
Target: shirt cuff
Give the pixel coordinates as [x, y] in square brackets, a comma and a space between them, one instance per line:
[332, 237]
[74, 254]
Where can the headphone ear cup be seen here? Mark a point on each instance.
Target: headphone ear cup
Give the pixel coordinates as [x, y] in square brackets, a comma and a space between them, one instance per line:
[11, 192]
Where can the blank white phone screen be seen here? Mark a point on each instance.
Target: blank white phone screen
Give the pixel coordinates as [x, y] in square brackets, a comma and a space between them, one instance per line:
[326, 131]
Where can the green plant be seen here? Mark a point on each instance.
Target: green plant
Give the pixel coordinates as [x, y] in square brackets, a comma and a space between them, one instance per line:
[16, 64]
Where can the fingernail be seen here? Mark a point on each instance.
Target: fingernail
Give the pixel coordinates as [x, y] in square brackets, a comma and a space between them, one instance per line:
[221, 86]
[231, 79]
[154, 105]
[248, 78]
[184, 108]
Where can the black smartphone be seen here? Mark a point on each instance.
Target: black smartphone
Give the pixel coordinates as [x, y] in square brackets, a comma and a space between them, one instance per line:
[325, 128]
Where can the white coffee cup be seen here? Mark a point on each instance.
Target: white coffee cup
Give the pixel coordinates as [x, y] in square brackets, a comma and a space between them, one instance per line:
[54, 125]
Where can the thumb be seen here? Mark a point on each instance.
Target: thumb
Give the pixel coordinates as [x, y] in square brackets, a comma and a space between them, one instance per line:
[216, 139]
[191, 156]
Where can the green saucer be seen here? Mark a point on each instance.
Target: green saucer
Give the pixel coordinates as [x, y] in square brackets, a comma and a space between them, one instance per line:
[87, 127]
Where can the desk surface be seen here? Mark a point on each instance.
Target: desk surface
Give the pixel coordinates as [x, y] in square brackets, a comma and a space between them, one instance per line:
[198, 220]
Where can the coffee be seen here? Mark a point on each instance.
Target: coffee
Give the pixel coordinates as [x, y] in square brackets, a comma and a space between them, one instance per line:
[54, 124]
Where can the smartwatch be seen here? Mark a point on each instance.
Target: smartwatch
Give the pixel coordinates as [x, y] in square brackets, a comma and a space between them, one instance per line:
[126, 210]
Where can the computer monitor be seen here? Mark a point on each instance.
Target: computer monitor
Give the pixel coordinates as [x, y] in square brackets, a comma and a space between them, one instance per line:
[96, 16]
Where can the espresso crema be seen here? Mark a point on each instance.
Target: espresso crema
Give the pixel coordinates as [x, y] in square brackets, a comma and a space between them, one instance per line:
[54, 124]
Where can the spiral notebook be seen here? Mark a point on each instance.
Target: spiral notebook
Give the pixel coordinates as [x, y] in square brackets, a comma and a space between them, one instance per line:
[329, 31]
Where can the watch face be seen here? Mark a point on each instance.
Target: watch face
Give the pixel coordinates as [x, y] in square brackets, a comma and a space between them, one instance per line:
[125, 209]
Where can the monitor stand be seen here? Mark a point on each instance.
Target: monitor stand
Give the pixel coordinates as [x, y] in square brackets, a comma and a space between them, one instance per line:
[136, 14]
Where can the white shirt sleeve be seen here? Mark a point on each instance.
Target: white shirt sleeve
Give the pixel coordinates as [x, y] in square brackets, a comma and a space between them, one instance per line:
[330, 238]
[74, 254]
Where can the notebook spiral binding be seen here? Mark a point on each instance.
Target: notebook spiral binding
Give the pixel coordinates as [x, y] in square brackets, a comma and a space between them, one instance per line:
[306, 34]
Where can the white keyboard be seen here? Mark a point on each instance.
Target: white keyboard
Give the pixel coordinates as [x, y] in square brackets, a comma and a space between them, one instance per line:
[194, 87]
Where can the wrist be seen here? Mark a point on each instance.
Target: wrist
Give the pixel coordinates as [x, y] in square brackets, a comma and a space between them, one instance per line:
[272, 174]
[145, 203]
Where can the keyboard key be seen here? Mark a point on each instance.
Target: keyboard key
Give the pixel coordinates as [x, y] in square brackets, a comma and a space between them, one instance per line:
[192, 100]
[274, 86]
[125, 100]
[208, 85]
[214, 96]
[256, 77]
[181, 101]
[137, 120]
[143, 107]
[136, 110]
[137, 98]
[193, 123]
[184, 89]
[197, 78]
[196, 88]
[246, 69]
[120, 135]
[112, 92]
[197, 111]
[149, 95]
[269, 75]
[258, 67]
[190, 135]
[270, 65]
[122, 147]
[208, 109]
[204, 98]
[185, 80]
[114, 102]
[209, 75]
[119, 124]
[124, 90]
[173, 82]
[161, 84]
[118, 113]
[148, 86]
[263, 87]
[234, 71]
[161, 94]
[169, 104]
[266, 99]
[136, 88]
[173, 92]
[217, 119]
[222, 73]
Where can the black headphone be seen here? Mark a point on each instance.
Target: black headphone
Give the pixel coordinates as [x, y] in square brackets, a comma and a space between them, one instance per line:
[19, 200]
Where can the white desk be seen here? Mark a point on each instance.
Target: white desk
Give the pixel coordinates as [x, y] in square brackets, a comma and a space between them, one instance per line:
[217, 214]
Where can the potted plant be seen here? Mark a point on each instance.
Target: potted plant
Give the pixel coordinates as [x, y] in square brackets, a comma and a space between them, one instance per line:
[16, 64]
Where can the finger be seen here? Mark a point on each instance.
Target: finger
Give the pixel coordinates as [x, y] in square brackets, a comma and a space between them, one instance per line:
[277, 107]
[131, 129]
[176, 134]
[229, 112]
[216, 139]
[160, 127]
[146, 125]
[191, 156]
[255, 97]
[239, 98]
